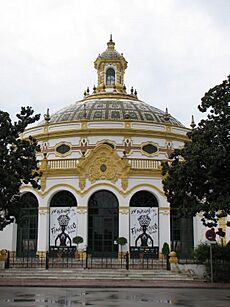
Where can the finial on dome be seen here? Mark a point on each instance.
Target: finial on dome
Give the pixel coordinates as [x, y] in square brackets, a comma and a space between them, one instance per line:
[166, 115]
[193, 124]
[47, 116]
[111, 43]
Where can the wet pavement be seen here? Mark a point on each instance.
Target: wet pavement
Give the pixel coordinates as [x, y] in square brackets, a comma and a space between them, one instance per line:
[57, 297]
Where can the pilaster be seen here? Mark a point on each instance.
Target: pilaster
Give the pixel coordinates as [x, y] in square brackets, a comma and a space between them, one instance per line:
[164, 226]
[82, 224]
[124, 225]
[43, 229]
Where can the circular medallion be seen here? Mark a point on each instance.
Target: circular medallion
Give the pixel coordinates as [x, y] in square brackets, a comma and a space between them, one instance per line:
[103, 168]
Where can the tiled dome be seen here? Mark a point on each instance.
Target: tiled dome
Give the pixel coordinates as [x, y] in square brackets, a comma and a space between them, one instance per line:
[103, 109]
[110, 54]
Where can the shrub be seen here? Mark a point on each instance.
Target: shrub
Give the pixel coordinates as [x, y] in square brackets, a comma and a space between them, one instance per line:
[77, 240]
[165, 249]
[221, 260]
[121, 241]
[201, 253]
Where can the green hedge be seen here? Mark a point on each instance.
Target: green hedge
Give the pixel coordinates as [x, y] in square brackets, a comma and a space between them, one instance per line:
[221, 260]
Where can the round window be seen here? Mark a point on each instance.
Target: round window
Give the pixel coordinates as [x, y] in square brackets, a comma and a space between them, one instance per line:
[62, 149]
[149, 148]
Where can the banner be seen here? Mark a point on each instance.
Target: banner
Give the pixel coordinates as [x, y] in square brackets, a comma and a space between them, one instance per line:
[144, 226]
[63, 225]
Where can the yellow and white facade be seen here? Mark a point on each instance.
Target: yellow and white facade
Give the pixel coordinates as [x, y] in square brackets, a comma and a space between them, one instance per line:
[104, 150]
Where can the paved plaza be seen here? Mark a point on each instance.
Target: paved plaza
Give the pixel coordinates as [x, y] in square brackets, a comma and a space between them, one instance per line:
[103, 297]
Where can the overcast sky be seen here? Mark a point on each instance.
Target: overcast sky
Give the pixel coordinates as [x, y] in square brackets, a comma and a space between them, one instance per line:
[176, 50]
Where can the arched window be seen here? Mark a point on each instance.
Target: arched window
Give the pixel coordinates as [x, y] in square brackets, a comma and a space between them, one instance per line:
[103, 224]
[144, 223]
[63, 199]
[143, 199]
[27, 231]
[110, 76]
[63, 220]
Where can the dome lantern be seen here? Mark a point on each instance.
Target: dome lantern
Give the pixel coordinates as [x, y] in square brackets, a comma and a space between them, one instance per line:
[110, 67]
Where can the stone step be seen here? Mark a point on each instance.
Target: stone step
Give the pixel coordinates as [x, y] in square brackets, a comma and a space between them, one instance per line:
[94, 274]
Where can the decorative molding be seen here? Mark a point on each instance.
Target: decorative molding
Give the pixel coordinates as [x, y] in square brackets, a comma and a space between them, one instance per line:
[164, 211]
[103, 163]
[125, 132]
[82, 210]
[124, 183]
[43, 210]
[124, 210]
[44, 169]
[101, 185]
[143, 186]
[84, 125]
[46, 128]
[110, 95]
[168, 128]
[127, 125]
[43, 182]
[82, 181]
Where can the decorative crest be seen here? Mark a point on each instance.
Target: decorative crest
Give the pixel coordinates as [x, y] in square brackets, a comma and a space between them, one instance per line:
[144, 220]
[63, 220]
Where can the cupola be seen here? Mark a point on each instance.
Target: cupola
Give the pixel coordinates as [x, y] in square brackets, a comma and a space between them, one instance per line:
[110, 67]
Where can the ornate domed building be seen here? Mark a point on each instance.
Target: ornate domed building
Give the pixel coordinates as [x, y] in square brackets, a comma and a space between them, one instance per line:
[101, 174]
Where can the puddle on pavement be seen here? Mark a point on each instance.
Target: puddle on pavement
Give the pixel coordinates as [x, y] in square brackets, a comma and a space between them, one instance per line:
[97, 298]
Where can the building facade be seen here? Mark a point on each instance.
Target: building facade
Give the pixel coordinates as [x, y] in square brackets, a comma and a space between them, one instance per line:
[101, 174]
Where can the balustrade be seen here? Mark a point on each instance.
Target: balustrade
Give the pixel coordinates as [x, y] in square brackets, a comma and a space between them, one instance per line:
[73, 163]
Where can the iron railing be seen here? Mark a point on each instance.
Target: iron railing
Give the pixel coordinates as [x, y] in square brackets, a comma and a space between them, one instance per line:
[84, 261]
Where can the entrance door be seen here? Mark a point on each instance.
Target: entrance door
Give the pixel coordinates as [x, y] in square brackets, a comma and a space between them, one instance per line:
[103, 224]
[27, 226]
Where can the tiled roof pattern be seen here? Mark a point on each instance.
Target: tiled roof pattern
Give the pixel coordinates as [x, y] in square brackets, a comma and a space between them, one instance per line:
[111, 109]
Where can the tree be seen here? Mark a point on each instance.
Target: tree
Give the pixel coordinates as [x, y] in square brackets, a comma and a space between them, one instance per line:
[121, 241]
[77, 240]
[198, 177]
[18, 163]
